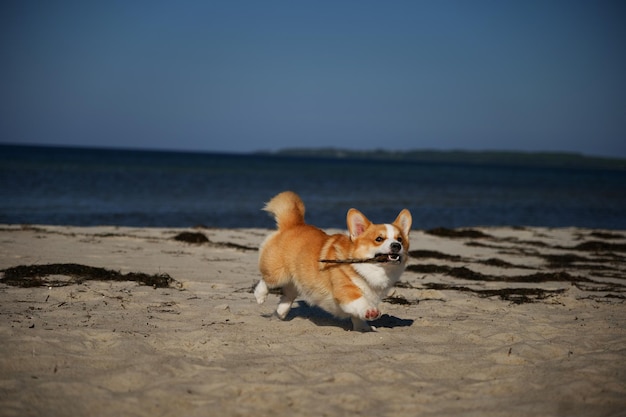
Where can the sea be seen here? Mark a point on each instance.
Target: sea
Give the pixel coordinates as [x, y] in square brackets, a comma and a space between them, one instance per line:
[138, 188]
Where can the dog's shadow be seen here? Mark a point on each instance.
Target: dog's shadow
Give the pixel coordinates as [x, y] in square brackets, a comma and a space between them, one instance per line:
[322, 318]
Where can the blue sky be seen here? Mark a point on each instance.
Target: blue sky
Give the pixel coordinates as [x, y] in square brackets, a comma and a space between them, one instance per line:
[240, 76]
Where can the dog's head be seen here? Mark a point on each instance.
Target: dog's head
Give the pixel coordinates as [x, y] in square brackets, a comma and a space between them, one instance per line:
[387, 243]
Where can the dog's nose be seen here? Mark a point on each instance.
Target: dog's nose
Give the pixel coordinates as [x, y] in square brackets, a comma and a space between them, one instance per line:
[395, 247]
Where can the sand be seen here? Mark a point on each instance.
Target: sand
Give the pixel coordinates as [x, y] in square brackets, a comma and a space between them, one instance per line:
[489, 322]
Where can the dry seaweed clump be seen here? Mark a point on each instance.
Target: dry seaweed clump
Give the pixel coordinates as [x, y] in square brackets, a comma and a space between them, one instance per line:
[457, 233]
[514, 295]
[192, 237]
[60, 275]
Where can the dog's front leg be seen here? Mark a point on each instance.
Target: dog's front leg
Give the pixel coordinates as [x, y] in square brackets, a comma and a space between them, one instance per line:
[361, 310]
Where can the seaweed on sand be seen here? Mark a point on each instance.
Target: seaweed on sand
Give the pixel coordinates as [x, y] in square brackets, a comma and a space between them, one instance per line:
[457, 233]
[434, 255]
[197, 238]
[50, 275]
[399, 299]
[599, 246]
[467, 274]
[514, 295]
[192, 237]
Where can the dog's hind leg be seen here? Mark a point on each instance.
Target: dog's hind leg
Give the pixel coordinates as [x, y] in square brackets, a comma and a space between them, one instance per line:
[261, 291]
[289, 295]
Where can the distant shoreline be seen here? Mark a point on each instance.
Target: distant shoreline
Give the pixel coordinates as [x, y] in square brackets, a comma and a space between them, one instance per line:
[510, 158]
[466, 157]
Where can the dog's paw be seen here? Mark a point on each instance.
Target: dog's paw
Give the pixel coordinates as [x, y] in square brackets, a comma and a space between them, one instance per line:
[372, 314]
[362, 308]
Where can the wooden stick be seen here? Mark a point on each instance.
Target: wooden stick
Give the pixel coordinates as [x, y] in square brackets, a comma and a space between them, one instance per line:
[379, 258]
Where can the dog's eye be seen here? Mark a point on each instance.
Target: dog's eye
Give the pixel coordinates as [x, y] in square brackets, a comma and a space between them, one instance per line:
[379, 239]
[399, 239]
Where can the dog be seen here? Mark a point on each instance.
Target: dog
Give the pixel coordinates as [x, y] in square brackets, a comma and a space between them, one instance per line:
[346, 275]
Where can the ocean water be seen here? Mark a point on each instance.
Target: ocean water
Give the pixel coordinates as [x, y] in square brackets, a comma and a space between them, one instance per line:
[71, 186]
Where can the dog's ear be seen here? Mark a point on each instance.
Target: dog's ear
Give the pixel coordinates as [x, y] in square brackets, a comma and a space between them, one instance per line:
[404, 221]
[357, 223]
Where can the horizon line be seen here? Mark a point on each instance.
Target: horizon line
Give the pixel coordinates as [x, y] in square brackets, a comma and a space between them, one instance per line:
[332, 152]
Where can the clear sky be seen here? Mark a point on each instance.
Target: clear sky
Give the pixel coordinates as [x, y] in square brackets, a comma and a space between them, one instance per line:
[263, 75]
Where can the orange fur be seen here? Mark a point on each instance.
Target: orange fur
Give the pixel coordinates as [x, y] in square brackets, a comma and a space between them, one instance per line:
[290, 258]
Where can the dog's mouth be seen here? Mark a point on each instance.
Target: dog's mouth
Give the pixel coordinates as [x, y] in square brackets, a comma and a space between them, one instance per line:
[393, 258]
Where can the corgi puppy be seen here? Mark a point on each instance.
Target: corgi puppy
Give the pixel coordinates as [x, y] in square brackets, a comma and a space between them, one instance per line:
[346, 275]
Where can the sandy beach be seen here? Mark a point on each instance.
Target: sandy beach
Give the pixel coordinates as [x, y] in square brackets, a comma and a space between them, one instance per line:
[112, 321]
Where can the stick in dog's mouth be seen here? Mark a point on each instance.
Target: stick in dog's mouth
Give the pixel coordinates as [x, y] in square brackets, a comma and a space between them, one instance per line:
[388, 257]
[378, 258]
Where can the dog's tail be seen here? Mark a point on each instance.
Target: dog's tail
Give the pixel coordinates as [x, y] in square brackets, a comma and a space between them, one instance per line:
[287, 208]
